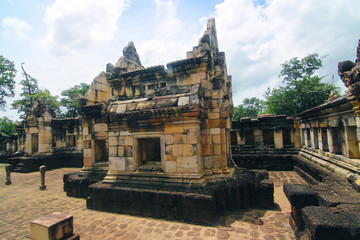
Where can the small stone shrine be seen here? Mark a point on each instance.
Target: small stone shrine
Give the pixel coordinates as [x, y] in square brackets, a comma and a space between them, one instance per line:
[161, 138]
[43, 139]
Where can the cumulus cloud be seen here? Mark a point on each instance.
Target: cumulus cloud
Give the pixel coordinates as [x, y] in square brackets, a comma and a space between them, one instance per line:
[258, 36]
[15, 29]
[77, 25]
[170, 41]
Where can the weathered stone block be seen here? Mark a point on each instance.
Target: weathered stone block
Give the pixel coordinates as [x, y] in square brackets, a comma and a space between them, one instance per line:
[179, 138]
[187, 164]
[193, 136]
[100, 127]
[86, 144]
[87, 153]
[53, 226]
[170, 129]
[213, 123]
[136, 208]
[101, 135]
[145, 105]
[322, 223]
[121, 151]
[177, 150]
[187, 150]
[206, 149]
[125, 133]
[223, 149]
[217, 149]
[300, 195]
[128, 151]
[183, 101]
[117, 163]
[208, 162]
[122, 194]
[113, 151]
[216, 139]
[113, 141]
[88, 161]
[170, 166]
[213, 115]
[116, 207]
[169, 139]
[128, 140]
[213, 131]
[121, 108]
[114, 134]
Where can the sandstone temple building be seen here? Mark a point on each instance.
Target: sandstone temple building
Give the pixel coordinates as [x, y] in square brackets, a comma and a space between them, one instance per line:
[161, 133]
[172, 121]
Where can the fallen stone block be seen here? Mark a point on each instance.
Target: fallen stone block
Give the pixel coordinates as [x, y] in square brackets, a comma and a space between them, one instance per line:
[322, 223]
[54, 226]
[300, 195]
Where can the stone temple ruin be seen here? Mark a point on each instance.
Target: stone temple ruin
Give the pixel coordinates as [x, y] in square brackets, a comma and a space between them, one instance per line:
[159, 142]
[161, 138]
[45, 140]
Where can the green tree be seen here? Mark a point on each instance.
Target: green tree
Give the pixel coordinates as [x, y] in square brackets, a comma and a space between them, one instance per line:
[301, 88]
[251, 107]
[7, 127]
[69, 99]
[7, 82]
[30, 92]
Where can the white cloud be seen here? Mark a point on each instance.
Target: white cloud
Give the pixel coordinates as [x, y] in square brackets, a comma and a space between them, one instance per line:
[168, 24]
[15, 29]
[77, 25]
[258, 38]
[171, 41]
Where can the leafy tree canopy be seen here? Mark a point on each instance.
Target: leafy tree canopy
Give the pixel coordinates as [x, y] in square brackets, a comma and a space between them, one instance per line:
[7, 82]
[7, 127]
[301, 88]
[69, 99]
[29, 93]
[251, 107]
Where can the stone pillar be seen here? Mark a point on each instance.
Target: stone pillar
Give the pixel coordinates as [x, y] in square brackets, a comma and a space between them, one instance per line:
[42, 177]
[278, 139]
[27, 141]
[307, 137]
[314, 138]
[351, 142]
[240, 137]
[320, 139]
[8, 173]
[330, 139]
[258, 138]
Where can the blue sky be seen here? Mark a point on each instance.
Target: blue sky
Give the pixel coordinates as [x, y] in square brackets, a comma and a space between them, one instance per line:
[65, 42]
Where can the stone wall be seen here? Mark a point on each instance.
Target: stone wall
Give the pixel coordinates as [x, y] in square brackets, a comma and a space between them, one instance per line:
[268, 142]
[329, 137]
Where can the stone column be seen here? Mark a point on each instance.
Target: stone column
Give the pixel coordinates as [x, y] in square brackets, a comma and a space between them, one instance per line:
[314, 138]
[278, 139]
[320, 137]
[42, 177]
[307, 137]
[258, 138]
[351, 142]
[330, 139]
[8, 173]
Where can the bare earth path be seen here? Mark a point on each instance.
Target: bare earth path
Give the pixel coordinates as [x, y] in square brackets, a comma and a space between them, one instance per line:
[23, 202]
